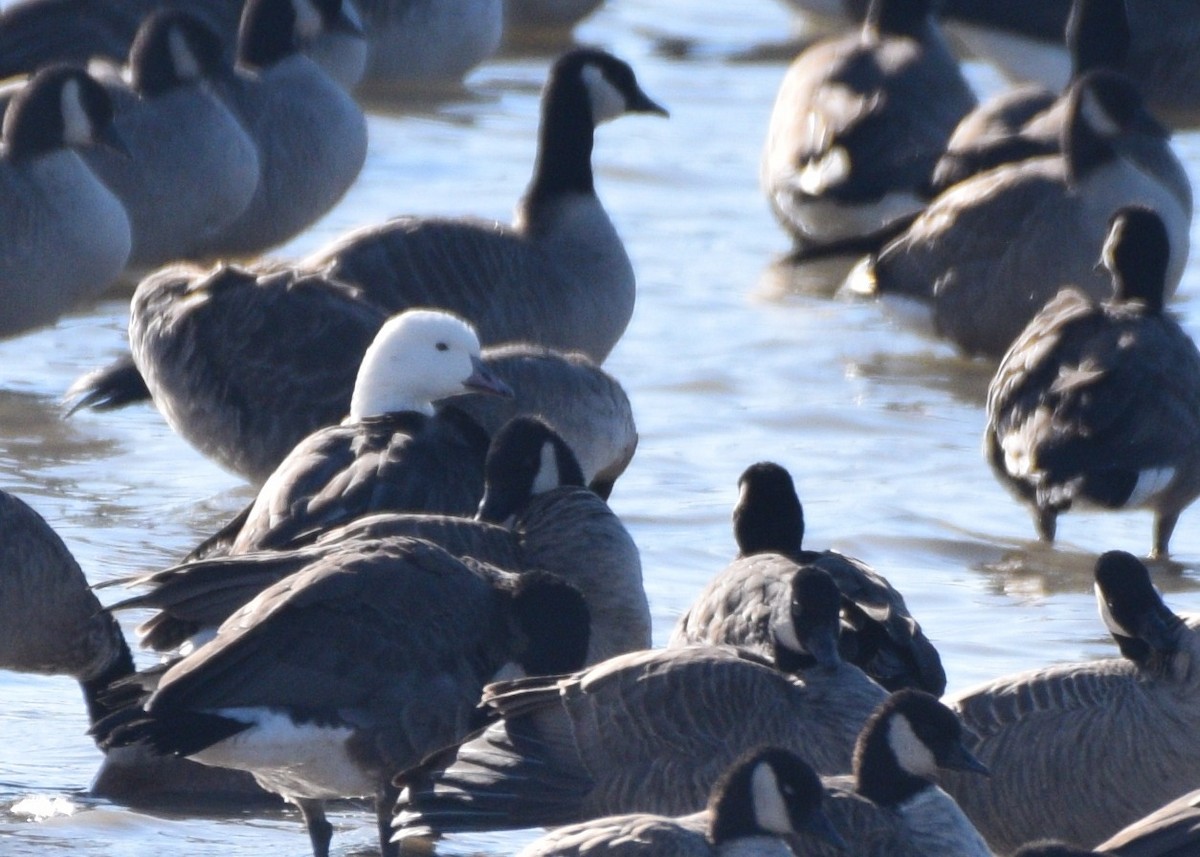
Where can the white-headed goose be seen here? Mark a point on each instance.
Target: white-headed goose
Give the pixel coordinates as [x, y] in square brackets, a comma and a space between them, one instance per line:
[858, 124]
[762, 799]
[988, 253]
[560, 275]
[742, 604]
[1077, 751]
[1098, 402]
[333, 680]
[65, 235]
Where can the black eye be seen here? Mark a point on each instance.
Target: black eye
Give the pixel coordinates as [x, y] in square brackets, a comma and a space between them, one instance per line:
[441, 346]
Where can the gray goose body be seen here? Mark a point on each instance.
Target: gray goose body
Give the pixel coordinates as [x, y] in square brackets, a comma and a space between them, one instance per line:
[310, 134]
[1077, 751]
[984, 283]
[739, 605]
[52, 624]
[1173, 830]
[560, 275]
[65, 235]
[858, 124]
[191, 168]
[760, 801]
[1099, 402]
[354, 668]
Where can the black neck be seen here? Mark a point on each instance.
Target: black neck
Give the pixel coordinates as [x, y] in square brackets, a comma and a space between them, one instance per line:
[565, 138]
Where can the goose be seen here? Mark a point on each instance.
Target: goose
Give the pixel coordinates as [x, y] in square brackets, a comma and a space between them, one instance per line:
[858, 124]
[741, 604]
[1170, 831]
[1027, 121]
[535, 516]
[247, 407]
[761, 799]
[53, 624]
[1054, 849]
[988, 253]
[559, 276]
[392, 453]
[66, 235]
[331, 681]
[1077, 751]
[1099, 402]
[891, 805]
[647, 731]
[540, 20]
[191, 167]
[310, 134]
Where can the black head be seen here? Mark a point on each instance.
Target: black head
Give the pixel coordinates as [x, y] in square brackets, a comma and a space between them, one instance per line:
[1145, 629]
[769, 791]
[1102, 106]
[272, 30]
[899, 17]
[1136, 254]
[605, 84]
[60, 106]
[174, 48]
[526, 458]
[555, 623]
[806, 627]
[908, 737]
[1098, 35]
[768, 517]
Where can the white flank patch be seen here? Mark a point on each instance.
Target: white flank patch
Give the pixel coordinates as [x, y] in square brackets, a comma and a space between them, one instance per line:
[1149, 484]
[187, 67]
[547, 476]
[911, 752]
[77, 125]
[822, 219]
[294, 760]
[607, 101]
[770, 810]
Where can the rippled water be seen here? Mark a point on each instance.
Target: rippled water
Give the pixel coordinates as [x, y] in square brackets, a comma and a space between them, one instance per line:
[729, 359]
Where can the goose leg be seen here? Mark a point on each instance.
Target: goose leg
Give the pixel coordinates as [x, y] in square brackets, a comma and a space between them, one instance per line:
[1164, 525]
[320, 831]
[385, 803]
[1046, 521]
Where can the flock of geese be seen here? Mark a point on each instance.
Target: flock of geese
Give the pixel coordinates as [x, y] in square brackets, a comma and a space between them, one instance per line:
[430, 604]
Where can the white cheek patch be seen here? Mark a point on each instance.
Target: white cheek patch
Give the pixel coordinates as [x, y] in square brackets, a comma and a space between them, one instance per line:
[308, 20]
[1110, 622]
[913, 755]
[770, 810]
[77, 126]
[187, 67]
[829, 170]
[547, 476]
[784, 631]
[606, 100]
[1097, 117]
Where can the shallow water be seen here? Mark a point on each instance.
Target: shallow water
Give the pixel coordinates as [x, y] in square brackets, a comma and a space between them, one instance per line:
[729, 359]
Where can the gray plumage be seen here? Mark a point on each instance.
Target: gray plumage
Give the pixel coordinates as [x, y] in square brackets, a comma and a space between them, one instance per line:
[858, 124]
[190, 168]
[1079, 750]
[1171, 831]
[1099, 402]
[65, 235]
[987, 254]
[762, 799]
[352, 669]
[560, 275]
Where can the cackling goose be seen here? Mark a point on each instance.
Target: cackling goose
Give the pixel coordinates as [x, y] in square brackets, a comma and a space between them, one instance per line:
[1079, 750]
[992, 250]
[1098, 403]
[65, 235]
[336, 678]
[857, 126]
[764, 797]
[739, 605]
[560, 275]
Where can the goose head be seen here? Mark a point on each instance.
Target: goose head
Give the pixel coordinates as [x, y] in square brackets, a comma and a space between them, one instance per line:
[61, 106]
[526, 458]
[1098, 35]
[553, 620]
[769, 791]
[807, 624]
[1102, 107]
[904, 743]
[330, 32]
[1144, 628]
[597, 80]
[174, 48]
[1136, 254]
[898, 17]
[767, 517]
[417, 358]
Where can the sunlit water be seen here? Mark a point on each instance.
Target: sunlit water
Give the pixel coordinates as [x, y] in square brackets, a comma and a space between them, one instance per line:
[725, 362]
